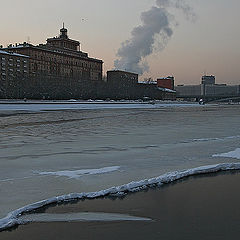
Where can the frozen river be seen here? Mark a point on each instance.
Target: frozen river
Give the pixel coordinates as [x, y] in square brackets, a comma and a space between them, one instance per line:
[84, 148]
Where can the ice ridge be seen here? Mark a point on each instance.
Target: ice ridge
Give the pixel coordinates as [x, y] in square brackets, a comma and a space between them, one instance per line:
[12, 218]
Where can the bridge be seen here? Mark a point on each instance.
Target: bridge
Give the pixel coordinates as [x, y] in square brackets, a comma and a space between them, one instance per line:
[228, 99]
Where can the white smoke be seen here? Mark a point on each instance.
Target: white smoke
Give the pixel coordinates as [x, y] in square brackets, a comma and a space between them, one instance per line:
[156, 21]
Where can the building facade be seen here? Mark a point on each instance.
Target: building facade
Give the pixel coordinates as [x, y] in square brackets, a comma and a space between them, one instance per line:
[14, 68]
[119, 77]
[208, 80]
[167, 82]
[60, 70]
[60, 57]
[208, 89]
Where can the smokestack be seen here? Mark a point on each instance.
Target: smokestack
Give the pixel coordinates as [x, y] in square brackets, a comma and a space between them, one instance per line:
[156, 21]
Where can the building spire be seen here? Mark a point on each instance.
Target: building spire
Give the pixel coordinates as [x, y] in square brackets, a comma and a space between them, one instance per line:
[63, 32]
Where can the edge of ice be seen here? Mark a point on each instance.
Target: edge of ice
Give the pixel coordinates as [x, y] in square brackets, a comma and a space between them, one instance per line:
[80, 217]
[12, 218]
[81, 172]
[232, 154]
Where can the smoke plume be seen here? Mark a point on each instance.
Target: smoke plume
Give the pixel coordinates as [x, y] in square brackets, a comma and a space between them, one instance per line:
[155, 22]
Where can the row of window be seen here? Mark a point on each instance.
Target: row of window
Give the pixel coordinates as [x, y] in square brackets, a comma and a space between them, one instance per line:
[62, 60]
[3, 59]
[17, 65]
[37, 66]
[10, 71]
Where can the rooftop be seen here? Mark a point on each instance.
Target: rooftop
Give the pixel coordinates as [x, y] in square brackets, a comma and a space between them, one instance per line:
[13, 54]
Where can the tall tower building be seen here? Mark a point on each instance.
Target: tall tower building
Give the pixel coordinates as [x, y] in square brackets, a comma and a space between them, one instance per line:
[208, 80]
[63, 41]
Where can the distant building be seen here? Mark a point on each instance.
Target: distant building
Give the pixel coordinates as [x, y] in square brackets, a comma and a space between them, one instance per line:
[222, 90]
[124, 85]
[12, 66]
[60, 70]
[121, 77]
[207, 89]
[60, 57]
[57, 69]
[208, 80]
[149, 81]
[167, 82]
[190, 91]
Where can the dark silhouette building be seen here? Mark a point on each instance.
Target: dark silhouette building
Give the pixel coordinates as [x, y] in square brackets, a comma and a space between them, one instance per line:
[121, 77]
[125, 85]
[60, 70]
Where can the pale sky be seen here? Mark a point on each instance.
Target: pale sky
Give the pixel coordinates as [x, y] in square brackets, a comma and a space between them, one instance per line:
[210, 44]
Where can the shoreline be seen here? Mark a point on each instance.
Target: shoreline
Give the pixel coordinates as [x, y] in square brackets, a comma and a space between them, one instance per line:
[90, 101]
[38, 106]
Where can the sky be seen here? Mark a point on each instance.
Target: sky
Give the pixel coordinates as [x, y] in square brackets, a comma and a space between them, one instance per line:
[209, 43]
